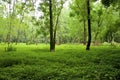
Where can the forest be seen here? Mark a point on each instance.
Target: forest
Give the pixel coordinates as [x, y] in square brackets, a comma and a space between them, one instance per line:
[59, 39]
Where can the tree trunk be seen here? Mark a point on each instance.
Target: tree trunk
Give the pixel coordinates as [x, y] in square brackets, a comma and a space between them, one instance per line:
[54, 39]
[9, 33]
[54, 36]
[46, 41]
[89, 26]
[98, 30]
[52, 48]
[17, 40]
[59, 40]
[84, 23]
[96, 35]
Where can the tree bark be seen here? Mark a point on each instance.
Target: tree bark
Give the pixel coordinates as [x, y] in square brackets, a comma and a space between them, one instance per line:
[51, 27]
[84, 23]
[98, 30]
[10, 25]
[54, 36]
[89, 26]
[17, 39]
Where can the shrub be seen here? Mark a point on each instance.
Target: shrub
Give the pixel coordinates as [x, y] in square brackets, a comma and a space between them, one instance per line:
[106, 44]
[10, 48]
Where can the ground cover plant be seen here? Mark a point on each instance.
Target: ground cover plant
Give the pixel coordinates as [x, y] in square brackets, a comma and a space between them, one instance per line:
[68, 62]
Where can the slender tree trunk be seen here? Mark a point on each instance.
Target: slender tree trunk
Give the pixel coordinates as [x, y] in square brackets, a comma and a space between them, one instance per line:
[10, 25]
[54, 39]
[17, 40]
[98, 30]
[25, 35]
[46, 41]
[59, 40]
[96, 36]
[84, 23]
[54, 36]
[89, 26]
[51, 27]
[18, 31]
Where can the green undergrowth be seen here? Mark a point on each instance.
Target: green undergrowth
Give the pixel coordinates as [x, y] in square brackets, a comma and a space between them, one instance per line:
[68, 62]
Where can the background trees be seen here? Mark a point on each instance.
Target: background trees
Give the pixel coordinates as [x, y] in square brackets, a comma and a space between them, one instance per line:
[33, 22]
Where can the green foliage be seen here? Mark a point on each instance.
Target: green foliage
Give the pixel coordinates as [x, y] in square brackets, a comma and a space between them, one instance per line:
[117, 36]
[106, 44]
[107, 3]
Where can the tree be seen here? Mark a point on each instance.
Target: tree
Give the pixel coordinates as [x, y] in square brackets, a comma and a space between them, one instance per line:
[23, 8]
[107, 3]
[89, 25]
[51, 12]
[51, 26]
[112, 18]
[98, 14]
[79, 9]
[57, 13]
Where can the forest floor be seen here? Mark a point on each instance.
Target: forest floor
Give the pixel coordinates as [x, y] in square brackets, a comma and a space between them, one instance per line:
[68, 62]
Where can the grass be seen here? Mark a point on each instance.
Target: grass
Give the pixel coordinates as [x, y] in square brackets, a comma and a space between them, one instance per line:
[68, 62]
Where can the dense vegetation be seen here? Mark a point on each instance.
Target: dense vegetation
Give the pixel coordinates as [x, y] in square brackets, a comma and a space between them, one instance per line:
[69, 62]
